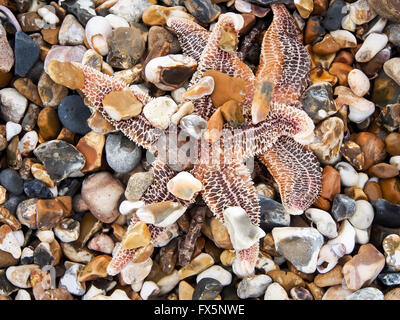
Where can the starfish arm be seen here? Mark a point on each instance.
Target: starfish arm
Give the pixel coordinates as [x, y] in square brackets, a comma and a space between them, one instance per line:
[157, 192]
[191, 36]
[284, 68]
[297, 172]
[229, 186]
[97, 85]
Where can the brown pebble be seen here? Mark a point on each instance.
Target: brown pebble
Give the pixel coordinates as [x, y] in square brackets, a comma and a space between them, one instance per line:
[50, 35]
[383, 171]
[91, 146]
[48, 123]
[392, 143]
[330, 183]
[373, 191]
[355, 193]
[286, 279]
[331, 278]
[391, 189]
[96, 268]
[340, 70]
[344, 57]
[372, 147]
[28, 89]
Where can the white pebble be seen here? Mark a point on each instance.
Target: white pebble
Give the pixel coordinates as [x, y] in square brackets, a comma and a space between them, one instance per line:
[159, 111]
[253, 286]
[275, 292]
[19, 276]
[362, 236]
[324, 222]
[12, 129]
[28, 142]
[217, 273]
[363, 216]
[168, 283]
[149, 288]
[127, 206]
[358, 82]
[45, 235]
[374, 43]
[346, 236]
[23, 295]
[70, 280]
[348, 175]
[344, 38]
[116, 21]
[48, 16]
[362, 180]
[92, 292]
[395, 161]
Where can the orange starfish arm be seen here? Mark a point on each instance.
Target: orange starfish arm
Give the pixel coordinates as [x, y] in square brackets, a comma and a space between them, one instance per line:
[282, 75]
[297, 172]
[97, 85]
[229, 186]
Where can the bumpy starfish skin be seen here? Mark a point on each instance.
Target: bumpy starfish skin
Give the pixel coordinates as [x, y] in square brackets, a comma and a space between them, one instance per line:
[226, 183]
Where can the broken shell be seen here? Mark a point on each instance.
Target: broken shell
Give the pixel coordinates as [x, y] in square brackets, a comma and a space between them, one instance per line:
[324, 221]
[329, 255]
[184, 185]
[184, 109]
[161, 214]
[97, 32]
[204, 87]
[170, 72]
[346, 236]
[127, 206]
[242, 232]
[194, 125]
[9, 242]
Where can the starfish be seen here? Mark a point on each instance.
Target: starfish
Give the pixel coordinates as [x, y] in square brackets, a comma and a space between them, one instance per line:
[276, 135]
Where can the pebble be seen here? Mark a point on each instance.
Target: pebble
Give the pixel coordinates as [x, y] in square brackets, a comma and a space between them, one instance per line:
[275, 292]
[184, 185]
[6, 53]
[67, 230]
[194, 125]
[361, 12]
[329, 279]
[171, 71]
[60, 159]
[253, 286]
[364, 267]
[324, 222]
[63, 54]
[122, 154]
[358, 82]
[286, 279]
[126, 46]
[383, 171]
[318, 102]
[23, 295]
[299, 245]
[102, 193]
[392, 144]
[343, 207]
[374, 43]
[389, 279]
[13, 105]
[346, 237]
[386, 8]
[73, 114]
[19, 276]
[91, 146]
[138, 183]
[334, 15]
[161, 214]
[130, 10]
[391, 249]
[11, 180]
[122, 104]
[386, 213]
[272, 214]
[26, 53]
[70, 280]
[363, 215]
[360, 108]
[392, 69]
[348, 175]
[218, 273]
[37, 189]
[82, 9]
[366, 294]
[97, 32]
[149, 289]
[200, 263]
[300, 293]
[243, 233]
[28, 143]
[71, 32]
[207, 289]
[102, 243]
[159, 111]
[9, 242]
[328, 137]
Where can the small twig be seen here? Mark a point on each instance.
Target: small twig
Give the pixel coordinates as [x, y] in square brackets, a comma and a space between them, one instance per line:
[186, 247]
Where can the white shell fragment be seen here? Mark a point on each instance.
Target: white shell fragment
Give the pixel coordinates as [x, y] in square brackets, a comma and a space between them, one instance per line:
[242, 232]
[127, 206]
[161, 214]
[97, 32]
[346, 236]
[329, 255]
[184, 185]
[204, 87]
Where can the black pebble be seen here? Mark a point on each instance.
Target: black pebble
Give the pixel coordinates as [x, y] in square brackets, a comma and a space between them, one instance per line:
[11, 180]
[37, 189]
[334, 16]
[73, 114]
[26, 53]
[386, 214]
